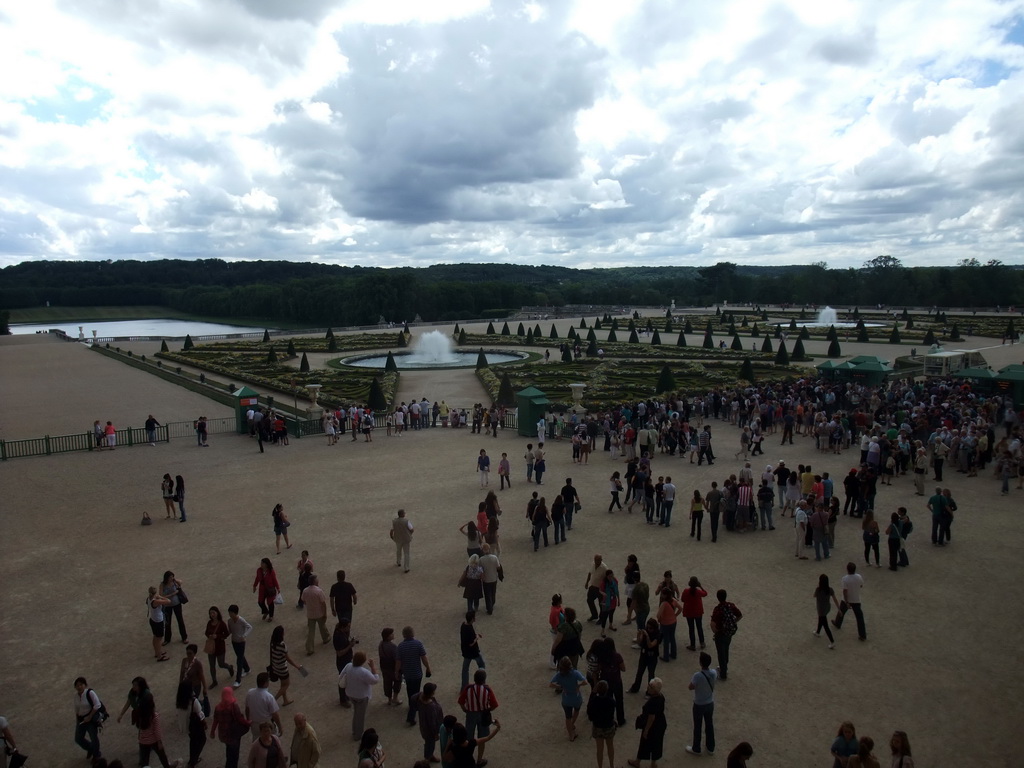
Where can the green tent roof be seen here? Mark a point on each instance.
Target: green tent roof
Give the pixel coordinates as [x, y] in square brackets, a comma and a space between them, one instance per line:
[975, 373]
[245, 392]
[531, 392]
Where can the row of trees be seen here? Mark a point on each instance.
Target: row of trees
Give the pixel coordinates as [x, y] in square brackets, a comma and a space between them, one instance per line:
[317, 294]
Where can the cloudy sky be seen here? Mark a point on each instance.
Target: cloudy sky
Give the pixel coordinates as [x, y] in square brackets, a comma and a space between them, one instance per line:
[589, 133]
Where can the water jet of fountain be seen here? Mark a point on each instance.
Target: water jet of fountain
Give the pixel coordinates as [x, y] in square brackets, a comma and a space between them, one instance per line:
[433, 347]
[827, 316]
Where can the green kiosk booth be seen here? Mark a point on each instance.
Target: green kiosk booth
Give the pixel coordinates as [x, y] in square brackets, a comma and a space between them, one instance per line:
[531, 403]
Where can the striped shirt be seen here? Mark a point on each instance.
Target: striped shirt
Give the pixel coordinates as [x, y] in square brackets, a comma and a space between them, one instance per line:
[477, 698]
[409, 653]
[279, 660]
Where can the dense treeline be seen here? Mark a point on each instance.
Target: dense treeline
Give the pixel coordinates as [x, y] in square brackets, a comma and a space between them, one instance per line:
[319, 294]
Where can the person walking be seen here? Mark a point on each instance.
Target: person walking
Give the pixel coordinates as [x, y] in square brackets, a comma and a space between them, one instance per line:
[229, 725]
[431, 715]
[267, 750]
[281, 526]
[601, 713]
[852, 583]
[541, 520]
[483, 467]
[648, 638]
[894, 538]
[469, 642]
[504, 472]
[240, 629]
[900, 746]
[357, 680]
[669, 610]
[493, 573]
[391, 677]
[609, 602]
[696, 514]
[217, 632]
[528, 459]
[315, 601]
[267, 584]
[615, 488]
[703, 686]
[147, 719]
[824, 596]
[412, 659]
[724, 623]
[88, 719]
[343, 597]
[401, 534]
[191, 721]
[261, 706]
[305, 748]
[569, 681]
[539, 464]
[869, 527]
[279, 661]
[478, 702]
[595, 576]
[652, 724]
[800, 527]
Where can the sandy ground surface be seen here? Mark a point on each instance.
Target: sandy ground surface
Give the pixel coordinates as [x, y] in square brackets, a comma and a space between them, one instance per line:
[939, 662]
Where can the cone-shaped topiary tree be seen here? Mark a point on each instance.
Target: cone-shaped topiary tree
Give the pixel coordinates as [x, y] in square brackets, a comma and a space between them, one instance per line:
[597, 323]
[291, 348]
[668, 324]
[554, 332]
[529, 336]
[954, 333]
[456, 331]
[375, 396]
[632, 325]
[755, 332]
[831, 335]
[612, 337]
[481, 359]
[929, 338]
[764, 316]
[566, 354]
[731, 330]
[718, 311]
[736, 343]
[803, 314]
[506, 395]
[656, 338]
[266, 337]
[905, 315]
[862, 334]
[782, 356]
[591, 336]
[856, 313]
[766, 345]
[615, 324]
[709, 342]
[1011, 331]
[332, 344]
[910, 323]
[681, 341]
[520, 331]
[272, 355]
[798, 350]
[505, 330]
[402, 341]
[650, 326]
[804, 334]
[304, 363]
[188, 343]
[834, 349]
[743, 322]
[163, 346]
[792, 324]
[583, 322]
[537, 333]
[390, 364]
[747, 370]
[633, 338]
[490, 329]
[329, 334]
[592, 347]
[572, 333]
[462, 337]
[687, 326]
[666, 382]
[894, 337]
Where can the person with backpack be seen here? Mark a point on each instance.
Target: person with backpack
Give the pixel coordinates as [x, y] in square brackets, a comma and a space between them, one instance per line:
[89, 716]
[724, 620]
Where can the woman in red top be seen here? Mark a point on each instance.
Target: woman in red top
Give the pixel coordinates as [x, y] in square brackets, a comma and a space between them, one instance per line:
[693, 611]
[266, 582]
[216, 633]
[555, 618]
[668, 611]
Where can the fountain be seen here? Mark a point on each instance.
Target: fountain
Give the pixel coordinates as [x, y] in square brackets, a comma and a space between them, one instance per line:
[432, 350]
[827, 317]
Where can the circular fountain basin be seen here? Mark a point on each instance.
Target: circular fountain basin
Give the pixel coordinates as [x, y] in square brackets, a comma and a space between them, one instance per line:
[839, 326]
[416, 361]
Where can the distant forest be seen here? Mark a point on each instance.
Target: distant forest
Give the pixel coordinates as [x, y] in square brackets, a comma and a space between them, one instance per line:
[320, 295]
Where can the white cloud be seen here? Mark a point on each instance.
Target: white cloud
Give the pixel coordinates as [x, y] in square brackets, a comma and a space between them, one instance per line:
[581, 132]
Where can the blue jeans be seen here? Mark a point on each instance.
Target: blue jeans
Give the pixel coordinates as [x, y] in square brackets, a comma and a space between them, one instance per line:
[428, 747]
[538, 531]
[559, 530]
[820, 541]
[90, 729]
[704, 714]
[568, 515]
[666, 512]
[668, 642]
[412, 687]
[241, 665]
[766, 516]
[479, 659]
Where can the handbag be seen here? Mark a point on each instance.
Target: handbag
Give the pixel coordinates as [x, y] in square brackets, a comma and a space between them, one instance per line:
[273, 675]
[17, 760]
[279, 599]
[577, 507]
[182, 597]
[205, 704]
[462, 580]
[210, 647]
[146, 520]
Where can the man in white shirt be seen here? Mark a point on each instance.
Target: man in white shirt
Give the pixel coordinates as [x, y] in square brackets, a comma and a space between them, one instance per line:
[358, 682]
[668, 500]
[261, 706]
[595, 577]
[852, 582]
[315, 600]
[492, 573]
[800, 526]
